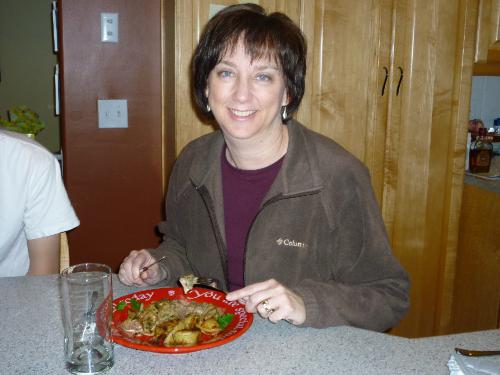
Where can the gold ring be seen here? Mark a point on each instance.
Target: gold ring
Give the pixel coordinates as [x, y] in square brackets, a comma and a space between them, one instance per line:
[265, 305]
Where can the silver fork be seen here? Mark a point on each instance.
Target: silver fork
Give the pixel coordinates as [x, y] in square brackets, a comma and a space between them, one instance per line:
[147, 267]
[476, 353]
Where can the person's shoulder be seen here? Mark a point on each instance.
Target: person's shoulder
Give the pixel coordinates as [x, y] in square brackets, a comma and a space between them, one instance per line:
[200, 146]
[203, 141]
[329, 153]
[16, 144]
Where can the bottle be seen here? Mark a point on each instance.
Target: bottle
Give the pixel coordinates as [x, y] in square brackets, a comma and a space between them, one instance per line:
[496, 126]
[481, 152]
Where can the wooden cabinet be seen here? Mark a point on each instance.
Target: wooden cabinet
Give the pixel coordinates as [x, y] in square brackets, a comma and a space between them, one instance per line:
[425, 152]
[389, 80]
[476, 304]
[487, 52]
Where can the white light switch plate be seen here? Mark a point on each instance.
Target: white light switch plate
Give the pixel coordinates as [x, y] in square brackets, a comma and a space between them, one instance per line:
[109, 27]
[112, 113]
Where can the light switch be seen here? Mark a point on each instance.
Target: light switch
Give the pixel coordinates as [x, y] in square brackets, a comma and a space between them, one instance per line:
[112, 113]
[109, 27]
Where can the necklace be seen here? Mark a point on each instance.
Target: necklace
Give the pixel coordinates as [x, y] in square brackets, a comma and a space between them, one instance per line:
[280, 153]
[231, 157]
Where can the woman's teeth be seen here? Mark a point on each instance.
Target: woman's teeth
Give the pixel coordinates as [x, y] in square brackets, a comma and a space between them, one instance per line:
[242, 113]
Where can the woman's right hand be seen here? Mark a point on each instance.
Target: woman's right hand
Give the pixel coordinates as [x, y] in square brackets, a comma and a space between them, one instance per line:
[130, 269]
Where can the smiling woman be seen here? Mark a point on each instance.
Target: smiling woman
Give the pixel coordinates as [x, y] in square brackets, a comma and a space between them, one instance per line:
[283, 216]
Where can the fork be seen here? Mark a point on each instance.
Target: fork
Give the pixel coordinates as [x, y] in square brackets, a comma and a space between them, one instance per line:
[148, 266]
[476, 353]
[208, 281]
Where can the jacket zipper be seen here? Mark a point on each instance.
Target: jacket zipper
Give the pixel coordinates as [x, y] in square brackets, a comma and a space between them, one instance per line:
[218, 237]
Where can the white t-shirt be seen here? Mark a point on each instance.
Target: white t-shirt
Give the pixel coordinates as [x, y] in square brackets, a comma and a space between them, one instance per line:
[33, 201]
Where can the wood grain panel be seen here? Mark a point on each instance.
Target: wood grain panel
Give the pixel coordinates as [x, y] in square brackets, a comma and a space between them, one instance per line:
[396, 85]
[341, 73]
[463, 66]
[488, 32]
[477, 290]
[168, 88]
[431, 135]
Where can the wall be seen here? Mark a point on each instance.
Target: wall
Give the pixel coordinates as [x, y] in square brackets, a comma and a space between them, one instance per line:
[485, 99]
[113, 176]
[27, 63]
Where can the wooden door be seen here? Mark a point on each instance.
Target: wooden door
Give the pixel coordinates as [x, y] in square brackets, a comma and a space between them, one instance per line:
[487, 51]
[488, 32]
[425, 151]
[476, 304]
[113, 176]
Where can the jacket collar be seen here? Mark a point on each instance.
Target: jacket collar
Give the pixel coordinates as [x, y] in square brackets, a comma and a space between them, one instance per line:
[299, 173]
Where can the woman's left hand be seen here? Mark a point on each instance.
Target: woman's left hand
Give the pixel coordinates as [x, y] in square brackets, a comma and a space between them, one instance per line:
[272, 301]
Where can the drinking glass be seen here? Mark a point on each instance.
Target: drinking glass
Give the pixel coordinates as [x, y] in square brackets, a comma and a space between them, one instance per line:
[87, 299]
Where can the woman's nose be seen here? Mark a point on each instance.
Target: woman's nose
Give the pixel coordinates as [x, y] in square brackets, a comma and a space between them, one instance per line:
[242, 90]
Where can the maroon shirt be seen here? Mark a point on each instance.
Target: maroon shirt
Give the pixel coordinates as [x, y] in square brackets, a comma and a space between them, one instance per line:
[243, 192]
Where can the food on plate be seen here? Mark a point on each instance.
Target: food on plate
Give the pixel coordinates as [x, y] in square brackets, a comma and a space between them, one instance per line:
[188, 282]
[174, 322]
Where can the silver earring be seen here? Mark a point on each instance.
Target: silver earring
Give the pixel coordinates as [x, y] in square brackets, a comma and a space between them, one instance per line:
[284, 113]
[208, 108]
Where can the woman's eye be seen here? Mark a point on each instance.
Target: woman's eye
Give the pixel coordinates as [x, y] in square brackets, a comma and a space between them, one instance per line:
[224, 74]
[263, 77]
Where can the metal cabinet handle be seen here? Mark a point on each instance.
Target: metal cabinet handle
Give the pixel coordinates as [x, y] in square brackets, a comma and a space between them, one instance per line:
[385, 80]
[400, 80]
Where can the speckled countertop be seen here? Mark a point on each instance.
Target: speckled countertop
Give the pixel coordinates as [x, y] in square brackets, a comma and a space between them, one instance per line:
[489, 185]
[32, 343]
[480, 179]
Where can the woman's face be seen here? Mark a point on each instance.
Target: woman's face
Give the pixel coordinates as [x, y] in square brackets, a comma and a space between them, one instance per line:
[246, 96]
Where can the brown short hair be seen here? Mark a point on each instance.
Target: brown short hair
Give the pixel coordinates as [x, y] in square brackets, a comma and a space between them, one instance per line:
[274, 35]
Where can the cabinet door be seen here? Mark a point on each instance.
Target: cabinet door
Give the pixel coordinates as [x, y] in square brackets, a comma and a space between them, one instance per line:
[345, 77]
[425, 152]
[488, 32]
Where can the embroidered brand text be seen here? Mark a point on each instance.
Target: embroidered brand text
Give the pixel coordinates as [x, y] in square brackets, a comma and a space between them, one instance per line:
[289, 242]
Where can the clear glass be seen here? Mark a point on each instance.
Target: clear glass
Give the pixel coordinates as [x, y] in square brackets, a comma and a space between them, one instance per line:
[87, 298]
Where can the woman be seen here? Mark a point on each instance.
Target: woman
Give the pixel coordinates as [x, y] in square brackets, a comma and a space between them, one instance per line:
[285, 218]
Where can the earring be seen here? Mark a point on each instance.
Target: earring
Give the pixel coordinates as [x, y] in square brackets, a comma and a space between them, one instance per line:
[284, 113]
[208, 108]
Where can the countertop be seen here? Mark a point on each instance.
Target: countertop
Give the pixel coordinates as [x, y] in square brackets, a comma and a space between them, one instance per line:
[482, 181]
[32, 343]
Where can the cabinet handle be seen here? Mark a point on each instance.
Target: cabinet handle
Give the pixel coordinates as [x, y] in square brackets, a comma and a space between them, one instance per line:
[400, 80]
[385, 80]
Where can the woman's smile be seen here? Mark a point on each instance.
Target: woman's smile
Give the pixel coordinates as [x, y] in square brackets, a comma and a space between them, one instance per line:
[242, 115]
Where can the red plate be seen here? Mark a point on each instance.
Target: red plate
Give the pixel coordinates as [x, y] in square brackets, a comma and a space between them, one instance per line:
[239, 325]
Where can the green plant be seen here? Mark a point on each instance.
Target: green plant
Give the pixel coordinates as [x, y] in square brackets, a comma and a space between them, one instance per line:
[23, 120]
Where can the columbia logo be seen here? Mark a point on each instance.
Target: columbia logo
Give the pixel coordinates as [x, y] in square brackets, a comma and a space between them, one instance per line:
[288, 242]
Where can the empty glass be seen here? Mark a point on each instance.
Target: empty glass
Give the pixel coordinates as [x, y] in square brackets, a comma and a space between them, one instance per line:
[87, 298]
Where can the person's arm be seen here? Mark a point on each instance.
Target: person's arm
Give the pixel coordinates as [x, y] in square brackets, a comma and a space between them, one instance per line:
[44, 255]
[175, 262]
[368, 287]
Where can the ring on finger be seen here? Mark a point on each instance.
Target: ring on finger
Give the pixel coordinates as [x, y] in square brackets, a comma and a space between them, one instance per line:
[265, 304]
